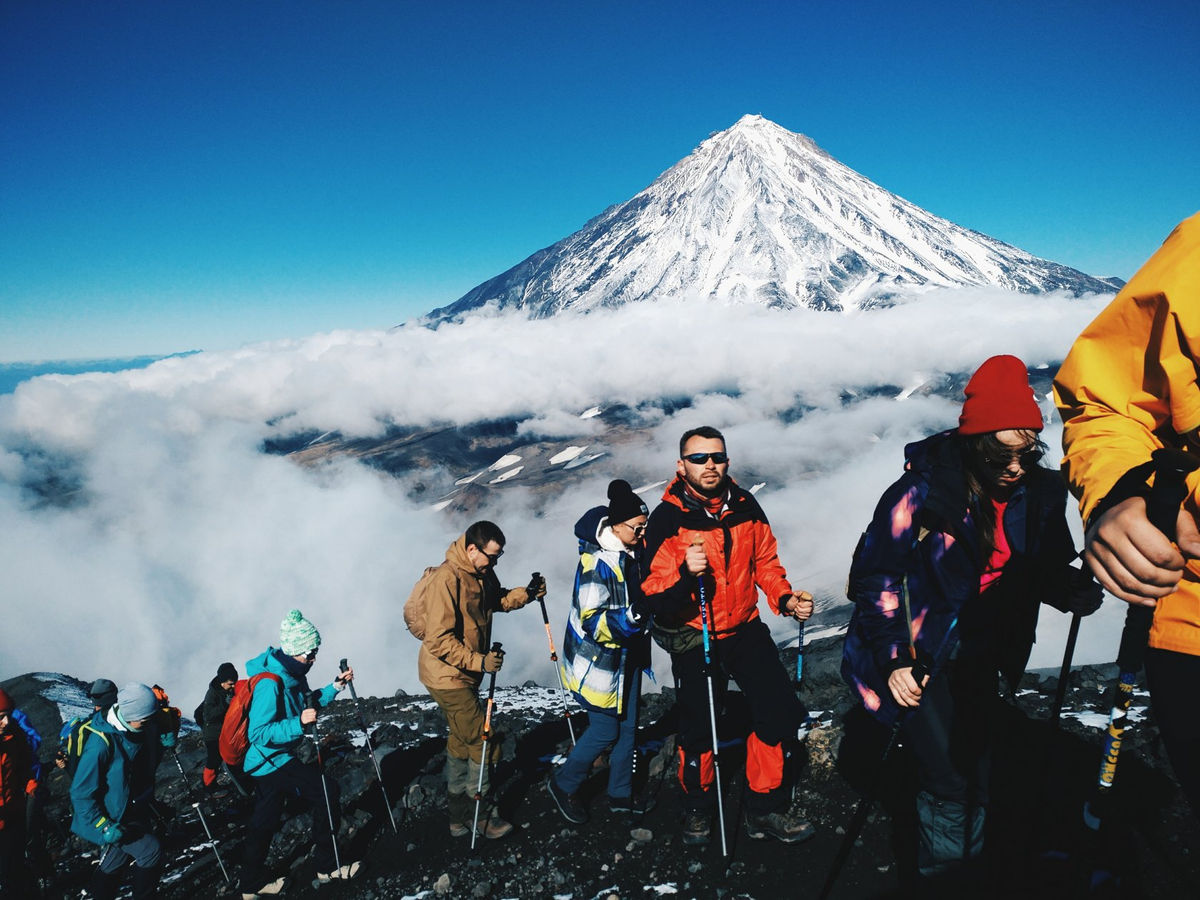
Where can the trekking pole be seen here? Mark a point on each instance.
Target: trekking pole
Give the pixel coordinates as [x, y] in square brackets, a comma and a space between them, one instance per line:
[562, 688]
[316, 736]
[200, 812]
[1064, 674]
[362, 720]
[800, 657]
[1171, 468]
[919, 671]
[487, 734]
[712, 704]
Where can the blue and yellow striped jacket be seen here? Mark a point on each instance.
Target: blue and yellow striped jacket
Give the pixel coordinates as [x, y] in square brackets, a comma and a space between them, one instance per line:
[603, 645]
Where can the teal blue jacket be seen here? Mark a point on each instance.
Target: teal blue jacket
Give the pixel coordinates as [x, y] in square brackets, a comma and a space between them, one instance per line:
[115, 768]
[273, 727]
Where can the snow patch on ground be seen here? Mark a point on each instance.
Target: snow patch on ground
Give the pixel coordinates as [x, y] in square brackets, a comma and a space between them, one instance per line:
[590, 413]
[754, 489]
[469, 478]
[70, 699]
[566, 455]
[582, 461]
[504, 462]
[504, 476]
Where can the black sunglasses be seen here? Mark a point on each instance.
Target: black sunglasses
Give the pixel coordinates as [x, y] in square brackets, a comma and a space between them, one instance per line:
[1026, 458]
[699, 459]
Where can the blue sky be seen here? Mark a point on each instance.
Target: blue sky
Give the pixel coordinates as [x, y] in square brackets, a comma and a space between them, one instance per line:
[200, 175]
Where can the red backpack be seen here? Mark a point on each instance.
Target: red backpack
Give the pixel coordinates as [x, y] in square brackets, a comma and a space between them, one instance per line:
[235, 740]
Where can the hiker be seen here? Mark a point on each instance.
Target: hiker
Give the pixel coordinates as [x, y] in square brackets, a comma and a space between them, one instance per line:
[459, 598]
[279, 759]
[950, 573]
[103, 694]
[605, 650]
[169, 719]
[16, 782]
[112, 791]
[708, 528]
[1128, 387]
[36, 794]
[212, 716]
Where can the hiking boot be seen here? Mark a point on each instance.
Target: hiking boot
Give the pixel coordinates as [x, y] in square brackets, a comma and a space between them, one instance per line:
[267, 890]
[697, 828]
[573, 811]
[638, 804]
[345, 873]
[495, 828]
[783, 826]
[458, 829]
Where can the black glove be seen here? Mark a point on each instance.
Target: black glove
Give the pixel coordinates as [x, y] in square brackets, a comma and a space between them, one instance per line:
[1085, 595]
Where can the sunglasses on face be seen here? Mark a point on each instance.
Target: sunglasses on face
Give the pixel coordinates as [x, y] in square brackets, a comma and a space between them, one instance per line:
[1026, 459]
[699, 459]
[638, 530]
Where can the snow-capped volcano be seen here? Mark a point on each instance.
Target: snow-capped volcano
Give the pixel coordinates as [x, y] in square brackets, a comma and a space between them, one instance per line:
[759, 214]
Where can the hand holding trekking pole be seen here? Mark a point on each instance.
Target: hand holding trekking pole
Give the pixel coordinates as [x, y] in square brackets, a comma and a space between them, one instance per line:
[537, 587]
[799, 606]
[705, 614]
[498, 652]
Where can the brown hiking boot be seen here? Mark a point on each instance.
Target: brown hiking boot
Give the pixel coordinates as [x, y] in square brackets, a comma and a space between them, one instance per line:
[495, 828]
[696, 828]
[458, 829]
[783, 826]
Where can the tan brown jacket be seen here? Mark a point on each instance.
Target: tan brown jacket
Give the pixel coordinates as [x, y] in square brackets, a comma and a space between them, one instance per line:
[459, 603]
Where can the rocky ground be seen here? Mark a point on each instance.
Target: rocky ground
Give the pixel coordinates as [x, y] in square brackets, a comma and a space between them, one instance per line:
[1036, 845]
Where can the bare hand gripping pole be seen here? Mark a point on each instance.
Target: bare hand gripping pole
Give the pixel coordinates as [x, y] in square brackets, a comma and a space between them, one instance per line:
[362, 720]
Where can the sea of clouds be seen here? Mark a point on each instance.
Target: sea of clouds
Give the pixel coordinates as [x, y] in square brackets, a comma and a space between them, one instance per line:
[176, 543]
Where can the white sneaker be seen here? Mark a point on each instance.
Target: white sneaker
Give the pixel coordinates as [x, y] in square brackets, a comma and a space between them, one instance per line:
[267, 890]
[345, 873]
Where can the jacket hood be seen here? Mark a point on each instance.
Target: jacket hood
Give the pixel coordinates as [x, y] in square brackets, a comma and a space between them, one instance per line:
[932, 452]
[267, 662]
[588, 527]
[456, 555]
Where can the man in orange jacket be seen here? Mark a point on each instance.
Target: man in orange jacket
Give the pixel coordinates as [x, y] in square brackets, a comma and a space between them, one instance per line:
[1129, 386]
[707, 528]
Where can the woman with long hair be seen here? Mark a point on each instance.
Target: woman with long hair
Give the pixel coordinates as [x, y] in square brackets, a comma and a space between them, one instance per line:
[946, 584]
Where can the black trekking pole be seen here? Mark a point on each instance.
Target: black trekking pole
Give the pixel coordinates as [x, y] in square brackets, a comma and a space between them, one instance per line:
[487, 734]
[200, 812]
[1064, 674]
[314, 704]
[919, 671]
[1171, 468]
[712, 704]
[562, 688]
[362, 720]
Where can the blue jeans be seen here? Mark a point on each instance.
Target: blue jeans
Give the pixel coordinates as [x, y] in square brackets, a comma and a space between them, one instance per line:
[605, 729]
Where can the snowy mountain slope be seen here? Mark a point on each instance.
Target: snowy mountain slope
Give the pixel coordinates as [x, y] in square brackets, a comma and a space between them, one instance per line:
[759, 214]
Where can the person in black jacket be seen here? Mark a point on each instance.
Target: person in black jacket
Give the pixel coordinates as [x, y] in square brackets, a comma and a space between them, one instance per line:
[216, 702]
[947, 580]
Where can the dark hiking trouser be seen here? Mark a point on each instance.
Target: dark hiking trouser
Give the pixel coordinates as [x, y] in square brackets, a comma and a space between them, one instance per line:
[749, 657]
[1174, 680]
[146, 852]
[950, 736]
[273, 788]
[14, 875]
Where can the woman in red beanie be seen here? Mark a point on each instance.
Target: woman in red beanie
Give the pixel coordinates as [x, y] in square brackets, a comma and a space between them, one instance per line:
[16, 772]
[946, 584]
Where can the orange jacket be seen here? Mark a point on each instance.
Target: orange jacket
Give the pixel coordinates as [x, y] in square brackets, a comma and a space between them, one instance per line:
[742, 558]
[1129, 384]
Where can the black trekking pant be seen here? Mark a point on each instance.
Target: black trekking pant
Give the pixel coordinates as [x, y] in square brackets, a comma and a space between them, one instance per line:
[293, 779]
[950, 733]
[747, 655]
[1174, 680]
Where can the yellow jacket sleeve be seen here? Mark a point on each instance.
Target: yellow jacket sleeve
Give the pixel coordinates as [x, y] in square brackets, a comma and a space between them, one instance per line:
[1129, 383]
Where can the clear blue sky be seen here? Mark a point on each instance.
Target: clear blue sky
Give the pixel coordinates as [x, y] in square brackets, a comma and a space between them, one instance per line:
[201, 174]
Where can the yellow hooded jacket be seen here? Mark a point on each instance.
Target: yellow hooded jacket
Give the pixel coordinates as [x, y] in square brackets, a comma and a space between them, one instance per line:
[1128, 386]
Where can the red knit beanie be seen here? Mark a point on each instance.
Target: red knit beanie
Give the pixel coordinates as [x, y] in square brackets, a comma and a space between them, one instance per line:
[6, 704]
[999, 398]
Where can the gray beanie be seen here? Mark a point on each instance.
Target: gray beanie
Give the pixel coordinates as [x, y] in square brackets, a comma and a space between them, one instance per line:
[136, 701]
[298, 635]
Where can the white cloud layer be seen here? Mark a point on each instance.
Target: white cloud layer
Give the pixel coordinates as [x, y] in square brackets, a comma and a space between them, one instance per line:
[186, 544]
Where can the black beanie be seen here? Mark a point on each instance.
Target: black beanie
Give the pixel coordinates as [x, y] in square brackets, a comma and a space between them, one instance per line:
[226, 672]
[623, 503]
[103, 692]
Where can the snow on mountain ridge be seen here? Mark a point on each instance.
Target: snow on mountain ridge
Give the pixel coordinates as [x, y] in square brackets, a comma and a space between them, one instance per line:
[759, 214]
